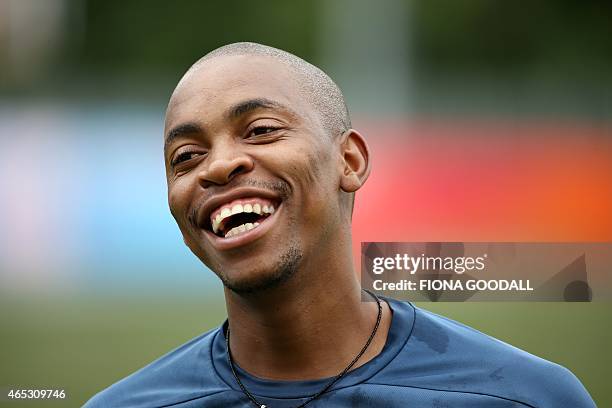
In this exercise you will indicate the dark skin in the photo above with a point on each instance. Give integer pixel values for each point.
(238, 126)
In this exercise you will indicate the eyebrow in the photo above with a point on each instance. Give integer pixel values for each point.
(234, 112)
(244, 107)
(181, 130)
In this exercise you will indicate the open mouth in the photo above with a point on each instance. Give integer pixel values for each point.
(240, 216)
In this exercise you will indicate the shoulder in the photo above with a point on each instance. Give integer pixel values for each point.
(175, 377)
(447, 355)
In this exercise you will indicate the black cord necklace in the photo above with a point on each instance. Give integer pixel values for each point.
(329, 385)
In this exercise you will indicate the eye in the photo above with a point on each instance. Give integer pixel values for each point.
(261, 130)
(185, 156)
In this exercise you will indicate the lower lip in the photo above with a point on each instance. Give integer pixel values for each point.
(245, 238)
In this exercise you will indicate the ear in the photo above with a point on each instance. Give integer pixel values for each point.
(356, 161)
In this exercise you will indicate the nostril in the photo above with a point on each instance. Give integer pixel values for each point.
(238, 170)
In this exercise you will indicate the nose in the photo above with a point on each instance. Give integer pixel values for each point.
(224, 162)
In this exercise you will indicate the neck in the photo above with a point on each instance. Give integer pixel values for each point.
(311, 326)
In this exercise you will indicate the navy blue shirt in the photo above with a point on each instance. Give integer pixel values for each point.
(428, 361)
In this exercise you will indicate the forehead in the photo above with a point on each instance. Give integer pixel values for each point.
(209, 89)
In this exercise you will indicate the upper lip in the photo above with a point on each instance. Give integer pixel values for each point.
(217, 200)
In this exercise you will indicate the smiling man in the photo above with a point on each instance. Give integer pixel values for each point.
(262, 166)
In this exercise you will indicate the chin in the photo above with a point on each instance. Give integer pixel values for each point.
(250, 281)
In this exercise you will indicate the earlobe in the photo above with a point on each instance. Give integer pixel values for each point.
(356, 161)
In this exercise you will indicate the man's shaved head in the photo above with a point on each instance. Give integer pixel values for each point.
(317, 87)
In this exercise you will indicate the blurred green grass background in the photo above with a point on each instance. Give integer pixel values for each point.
(83, 344)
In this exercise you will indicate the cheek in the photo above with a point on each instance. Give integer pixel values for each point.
(317, 182)
(315, 173)
(178, 200)
(321, 172)
(313, 169)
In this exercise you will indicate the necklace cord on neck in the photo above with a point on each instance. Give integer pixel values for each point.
(329, 385)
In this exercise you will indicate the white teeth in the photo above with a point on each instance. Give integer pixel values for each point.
(241, 229)
(217, 221)
(268, 209)
(237, 209)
